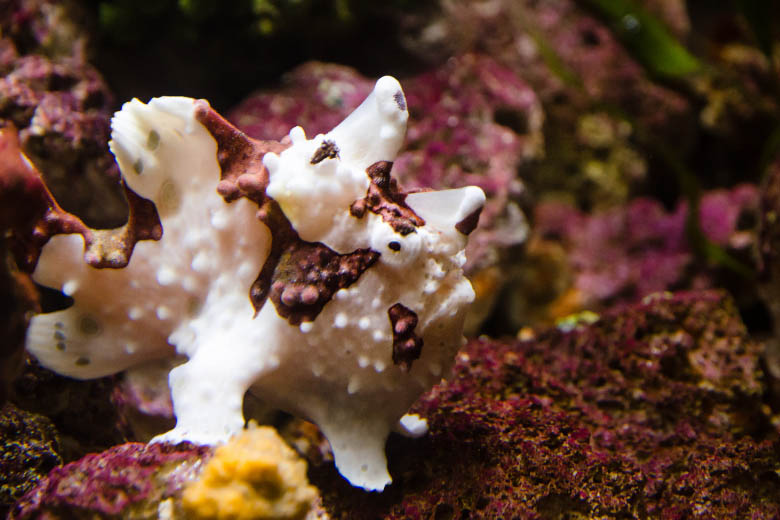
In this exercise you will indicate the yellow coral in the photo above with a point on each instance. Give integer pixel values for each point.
(254, 476)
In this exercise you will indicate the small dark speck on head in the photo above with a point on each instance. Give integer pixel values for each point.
(60, 346)
(400, 100)
(82, 361)
(327, 150)
(395, 246)
(138, 166)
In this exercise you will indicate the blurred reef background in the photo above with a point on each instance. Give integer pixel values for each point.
(624, 353)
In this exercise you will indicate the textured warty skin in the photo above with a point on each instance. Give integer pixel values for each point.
(331, 293)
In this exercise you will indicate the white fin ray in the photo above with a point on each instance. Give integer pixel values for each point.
(74, 344)
(443, 209)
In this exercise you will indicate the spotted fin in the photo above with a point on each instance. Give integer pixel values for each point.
(74, 344)
(160, 147)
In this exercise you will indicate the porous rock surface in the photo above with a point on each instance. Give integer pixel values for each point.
(654, 411)
(28, 451)
(127, 481)
(61, 105)
(577, 260)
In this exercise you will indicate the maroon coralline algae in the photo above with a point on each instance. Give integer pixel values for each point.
(46, 27)
(61, 106)
(330, 93)
(578, 68)
(654, 411)
(715, 119)
(560, 48)
(129, 480)
(626, 252)
(28, 451)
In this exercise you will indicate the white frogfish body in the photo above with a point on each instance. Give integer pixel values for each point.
(342, 303)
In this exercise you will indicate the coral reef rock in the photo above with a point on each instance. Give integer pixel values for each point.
(28, 451)
(127, 481)
(61, 106)
(624, 253)
(653, 411)
(298, 268)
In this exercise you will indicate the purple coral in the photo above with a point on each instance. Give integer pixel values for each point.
(105, 484)
(628, 252)
(562, 50)
(653, 411)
